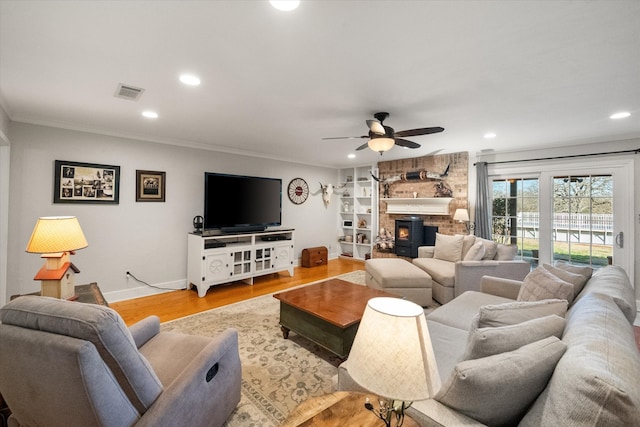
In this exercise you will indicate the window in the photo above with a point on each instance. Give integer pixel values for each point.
(515, 217)
(583, 219)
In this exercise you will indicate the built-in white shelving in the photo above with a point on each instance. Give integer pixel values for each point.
(358, 217)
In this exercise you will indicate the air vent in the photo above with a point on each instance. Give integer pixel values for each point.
(128, 92)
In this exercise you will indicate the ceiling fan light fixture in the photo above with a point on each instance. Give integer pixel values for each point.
(381, 144)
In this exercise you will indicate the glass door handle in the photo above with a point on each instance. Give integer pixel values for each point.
(620, 240)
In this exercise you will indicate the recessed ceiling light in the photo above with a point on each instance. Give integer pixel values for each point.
(150, 114)
(489, 135)
(190, 79)
(351, 156)
(620, 115)
(286, 5)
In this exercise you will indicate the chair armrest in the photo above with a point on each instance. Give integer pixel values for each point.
(499, 286)
(430, 412)
(144, 330)
(202, 399)
(426, 251)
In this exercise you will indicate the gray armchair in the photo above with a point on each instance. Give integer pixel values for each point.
(72, 364)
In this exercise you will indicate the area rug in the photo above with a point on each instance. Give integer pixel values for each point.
(277, 374)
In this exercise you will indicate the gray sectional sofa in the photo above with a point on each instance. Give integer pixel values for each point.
(587, 374)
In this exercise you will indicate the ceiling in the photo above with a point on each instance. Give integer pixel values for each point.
(537, 73)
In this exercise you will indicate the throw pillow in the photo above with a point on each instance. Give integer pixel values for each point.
(448, 248)
(475, 253)
(577, 280)
(541, 284)
(468, 241)
(497, 390)
(485, 342)
(490, 248)
(506, 252)
(510, 313)
(585, 270)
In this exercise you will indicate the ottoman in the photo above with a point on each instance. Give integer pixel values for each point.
(400, 277)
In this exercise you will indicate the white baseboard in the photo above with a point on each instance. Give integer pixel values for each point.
(143, 290)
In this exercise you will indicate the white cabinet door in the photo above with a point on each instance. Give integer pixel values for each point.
(283, 256)
(216, 267)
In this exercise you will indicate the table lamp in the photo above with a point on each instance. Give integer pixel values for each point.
(392, 356)
(56, 238)
(462, 215)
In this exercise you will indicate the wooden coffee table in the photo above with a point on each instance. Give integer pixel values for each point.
(327, 313)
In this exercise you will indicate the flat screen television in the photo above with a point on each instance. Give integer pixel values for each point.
(241, 203)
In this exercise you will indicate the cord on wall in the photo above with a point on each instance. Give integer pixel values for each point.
(147, 284)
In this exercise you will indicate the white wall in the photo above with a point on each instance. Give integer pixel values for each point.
(148, 239)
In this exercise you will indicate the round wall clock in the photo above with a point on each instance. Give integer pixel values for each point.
(298, 191)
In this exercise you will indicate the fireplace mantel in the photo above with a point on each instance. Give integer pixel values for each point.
(418, 206)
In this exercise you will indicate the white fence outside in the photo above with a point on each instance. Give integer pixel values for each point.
(581, 228)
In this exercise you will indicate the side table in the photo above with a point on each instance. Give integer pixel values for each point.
(339, 409)
(83, 293)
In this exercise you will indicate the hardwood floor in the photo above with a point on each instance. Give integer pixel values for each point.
(176, 304)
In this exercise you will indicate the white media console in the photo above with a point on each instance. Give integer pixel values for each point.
(228, 257)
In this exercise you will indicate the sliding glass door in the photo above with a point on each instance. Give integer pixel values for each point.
(515, 214)
(578, 212)
(583, 218)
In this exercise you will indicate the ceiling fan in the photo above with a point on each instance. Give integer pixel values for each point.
(383, 138)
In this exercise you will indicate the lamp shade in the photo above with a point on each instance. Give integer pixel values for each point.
(381, 144)
(392, 355)
(461, 215)
(55, 234)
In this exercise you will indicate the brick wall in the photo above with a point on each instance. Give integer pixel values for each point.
(457, 180)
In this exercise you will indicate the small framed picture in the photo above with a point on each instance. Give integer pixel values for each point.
(150, 186)
(76, 182)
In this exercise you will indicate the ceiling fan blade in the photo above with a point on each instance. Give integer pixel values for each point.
(421, 131)
(347, 137)
(363, 146)
(376, 127)
(406, 143)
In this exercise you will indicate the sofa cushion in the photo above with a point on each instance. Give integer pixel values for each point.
(613, 281)
(443, 272)
(541, 284)
(577, 280)
(448, 345)
(585, 270)
(100, 325)
(483, 342)
(506, 252)
(490, 248)
(475, 253)
(596, 381)
(468, 240)
(461, 311)
(448, 248)
(510, 313)
(497, 390)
